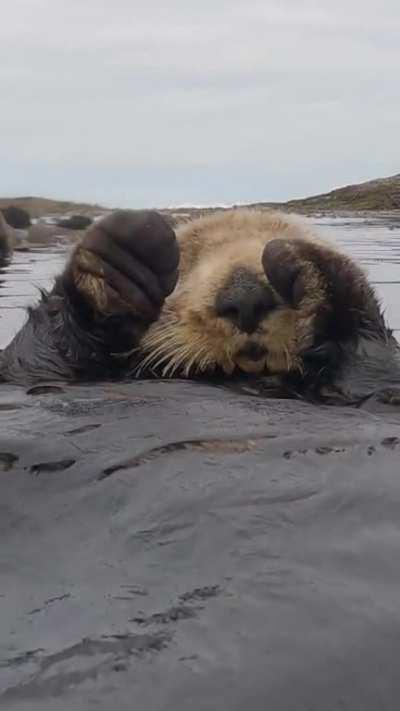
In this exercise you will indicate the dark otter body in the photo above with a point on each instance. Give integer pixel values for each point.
(170, 545)
(95, 323)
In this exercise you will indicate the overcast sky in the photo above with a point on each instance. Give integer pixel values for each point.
(166, 102)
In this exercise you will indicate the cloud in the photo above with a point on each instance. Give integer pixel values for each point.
(174, 102)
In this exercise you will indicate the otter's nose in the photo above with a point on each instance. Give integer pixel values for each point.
(245, 301)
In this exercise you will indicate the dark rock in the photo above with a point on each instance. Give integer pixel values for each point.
(6, 238)
(75, 222)
(17, 217)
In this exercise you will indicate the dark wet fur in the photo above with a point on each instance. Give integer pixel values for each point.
(60, 341)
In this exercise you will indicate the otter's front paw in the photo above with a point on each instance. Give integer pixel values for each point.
(324, 286)
(126, 263)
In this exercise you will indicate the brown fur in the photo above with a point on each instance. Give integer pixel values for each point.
(189, 337)
(88, 275)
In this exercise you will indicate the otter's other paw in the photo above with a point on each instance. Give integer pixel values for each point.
(323, 285)
(127, 263)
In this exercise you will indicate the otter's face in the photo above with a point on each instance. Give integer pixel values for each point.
(226, 314)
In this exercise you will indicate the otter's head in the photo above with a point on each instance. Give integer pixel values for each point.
(225, 312)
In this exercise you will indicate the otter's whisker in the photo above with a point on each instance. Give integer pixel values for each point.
(167, 345)
(205, 363)
(189, 365)
(176, 356)
(148, 360)
(157, 338)
(179, 359)
(172, 366)
(287, 357)
(161, 360)
(125, 354)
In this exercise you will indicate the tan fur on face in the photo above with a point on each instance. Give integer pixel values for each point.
(190, 338)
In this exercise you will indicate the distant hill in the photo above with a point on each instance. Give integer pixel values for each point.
(381, 195)
(376, 195)
(372, 196)
(40, 207)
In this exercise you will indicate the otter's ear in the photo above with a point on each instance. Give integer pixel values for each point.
(285, 269)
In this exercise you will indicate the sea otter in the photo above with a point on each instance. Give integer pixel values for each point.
(240, 292)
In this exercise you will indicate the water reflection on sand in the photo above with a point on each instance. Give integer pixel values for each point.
(374, 243)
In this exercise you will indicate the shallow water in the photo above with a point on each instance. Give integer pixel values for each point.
(374, 243)
(20, 282)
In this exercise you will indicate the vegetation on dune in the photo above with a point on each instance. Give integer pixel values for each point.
(383, 194)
